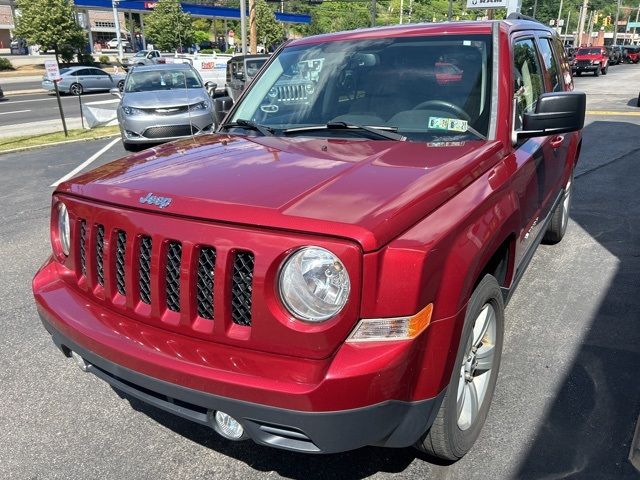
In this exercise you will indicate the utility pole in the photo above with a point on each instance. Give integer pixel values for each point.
(583, 14)
(116, 21)
(374, 9)
(634, 28)
(535, 8)
(450, 11)
(243, 25)
(559, 15)
(401, 8)
(566, 28)
(590, 27)
(253, 30)
(615, 24)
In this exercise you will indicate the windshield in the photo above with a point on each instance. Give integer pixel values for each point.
(155, 80)
(141, 53)
(253, 66)
(589, 51)
(424, 87)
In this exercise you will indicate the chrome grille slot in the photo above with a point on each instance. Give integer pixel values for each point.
(121, 245)
(204, 289)
(172, 280)
(100, 254)
(144, 270)
(241, 289)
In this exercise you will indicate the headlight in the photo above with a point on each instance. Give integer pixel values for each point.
(595, 62)
(132, 111)
(314, 284)
(198, 106)
(64, 232)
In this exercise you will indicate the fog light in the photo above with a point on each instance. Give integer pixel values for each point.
(84, 366)
(228, 427)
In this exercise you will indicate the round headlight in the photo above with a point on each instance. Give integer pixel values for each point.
(64, 232)
(314, 284)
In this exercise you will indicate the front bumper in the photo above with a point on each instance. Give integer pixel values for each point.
(138, 128)
(586, 68)
(360, 396)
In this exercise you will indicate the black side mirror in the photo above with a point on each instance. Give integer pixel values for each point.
(558, 112)
(211, 88)
(221, 107)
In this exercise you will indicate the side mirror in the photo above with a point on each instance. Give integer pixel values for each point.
(221, 107)
(559, 112)
(211, 88)
(116, 92)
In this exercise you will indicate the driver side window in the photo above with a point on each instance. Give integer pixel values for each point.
(527, 79)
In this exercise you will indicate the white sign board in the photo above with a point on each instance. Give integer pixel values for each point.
(53, 72)
(487, 4)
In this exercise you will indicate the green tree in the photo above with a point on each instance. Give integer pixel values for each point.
(50, 24)
(270, 31)
(168, 27)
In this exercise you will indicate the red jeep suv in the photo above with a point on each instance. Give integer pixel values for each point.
(330, 269)
(591, 59)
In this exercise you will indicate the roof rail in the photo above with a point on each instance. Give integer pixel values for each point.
(520, 16)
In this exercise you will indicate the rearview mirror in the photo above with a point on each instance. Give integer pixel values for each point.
(558, 112)
(116, 92)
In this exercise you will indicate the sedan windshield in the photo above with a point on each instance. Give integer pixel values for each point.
(589, 51)
(141, 53)
(420, 87)
(155, 80)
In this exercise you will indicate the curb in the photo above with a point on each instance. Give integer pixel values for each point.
(52, 144)
(24, 92)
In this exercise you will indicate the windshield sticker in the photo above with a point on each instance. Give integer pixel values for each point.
(445, 144)
(451, 124)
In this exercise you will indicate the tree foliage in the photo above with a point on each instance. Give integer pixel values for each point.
(168, 27)
(50, 24)
(270, 31)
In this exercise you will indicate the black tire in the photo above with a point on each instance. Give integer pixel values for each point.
(638, 102)
(76, 89)
(578, 74)
(560, 216)
(597, 72)
(121, 85)
(605, 70)
(445, 439)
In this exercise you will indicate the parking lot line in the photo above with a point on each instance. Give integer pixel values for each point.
(84, 164)
(15, 111)
(609, 112)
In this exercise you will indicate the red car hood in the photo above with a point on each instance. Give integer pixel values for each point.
(367, 191)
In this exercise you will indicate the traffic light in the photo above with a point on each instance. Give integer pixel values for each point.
(595, 18)
(606, 21)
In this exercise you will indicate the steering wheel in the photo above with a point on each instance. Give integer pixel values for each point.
(443, 104)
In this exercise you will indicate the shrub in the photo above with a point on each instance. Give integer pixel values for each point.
(230, 51)
(104, 59)
(85, 58)
(5, 64)
(206, 51)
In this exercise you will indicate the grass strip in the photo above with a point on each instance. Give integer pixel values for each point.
(11, 143)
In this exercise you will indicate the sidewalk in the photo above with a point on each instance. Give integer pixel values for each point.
(36, 128)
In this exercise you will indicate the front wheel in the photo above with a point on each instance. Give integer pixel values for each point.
(76, 89)
(121, 85)
(466, 403)
(578, 74)
(560, 216)
(597, 72)
(605, 70)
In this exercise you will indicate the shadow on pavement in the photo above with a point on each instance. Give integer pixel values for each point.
(588, 429)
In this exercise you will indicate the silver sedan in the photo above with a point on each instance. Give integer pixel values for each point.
(77, 80)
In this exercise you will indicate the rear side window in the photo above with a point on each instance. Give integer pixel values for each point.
(527, 79)
(550, 64)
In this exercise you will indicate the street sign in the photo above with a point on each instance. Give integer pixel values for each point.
(633, 25)
(471, 4)
(53, 72)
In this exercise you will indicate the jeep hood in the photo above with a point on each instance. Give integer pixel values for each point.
(367, 191)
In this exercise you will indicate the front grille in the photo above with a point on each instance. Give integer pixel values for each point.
(83, 247)
(242, 283)
(206, 266)
(121, 246)
(291, 93)
(100, 254)
(144, 270)
(584, 63)
(141, 273)
(170, 131)
(174, 257)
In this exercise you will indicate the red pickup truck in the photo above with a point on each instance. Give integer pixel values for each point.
(330, 269)
(591, 59)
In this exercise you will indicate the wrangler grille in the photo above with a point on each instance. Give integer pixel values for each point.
(152, 274)
(241, 288)
(100, 254)
(144, 270)
(206, 266)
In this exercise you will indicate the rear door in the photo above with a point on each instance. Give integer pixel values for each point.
(101, 79)
(83, 77)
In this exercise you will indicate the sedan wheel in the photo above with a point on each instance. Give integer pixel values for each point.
(76, 89)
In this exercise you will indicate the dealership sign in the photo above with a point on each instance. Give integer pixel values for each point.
(487, 4)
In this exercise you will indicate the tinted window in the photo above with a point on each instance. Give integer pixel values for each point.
(97, 71)
(81, 73)
(156, 80)
(528, 83)
(550, 64)
(425, 87)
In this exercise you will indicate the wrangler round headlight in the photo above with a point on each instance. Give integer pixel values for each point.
(64, 231)
(314, 284)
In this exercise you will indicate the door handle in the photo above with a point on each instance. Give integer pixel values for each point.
(556, 142)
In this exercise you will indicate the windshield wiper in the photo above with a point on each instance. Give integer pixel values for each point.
(249, 125)
(388, 133)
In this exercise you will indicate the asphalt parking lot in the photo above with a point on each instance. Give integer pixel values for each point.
(567, 398)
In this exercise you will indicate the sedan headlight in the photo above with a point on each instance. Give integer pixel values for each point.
(198, 106)
(132, 111)
(64, 231)
(314, 284)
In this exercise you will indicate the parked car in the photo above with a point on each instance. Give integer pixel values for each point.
(161, 103)
(631, 54)
(615, 54)
(591, 59)
(113, 43)
(81, 79)
(330, 270)
(146, 57)
(241, 70)
(19, 47)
